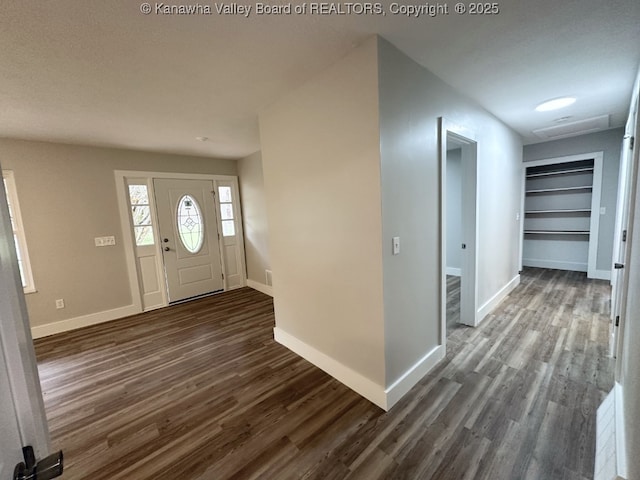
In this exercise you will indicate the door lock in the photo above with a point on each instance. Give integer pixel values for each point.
(166, 249)
(464, 246)
(45, 469)
(165, 240)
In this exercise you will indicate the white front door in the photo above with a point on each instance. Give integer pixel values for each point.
(189, 237)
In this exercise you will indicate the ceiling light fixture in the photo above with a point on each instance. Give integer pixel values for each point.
(202, 139)
(555, 104)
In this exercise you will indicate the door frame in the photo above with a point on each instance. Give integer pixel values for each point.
(121, 177)
(469, 263)
(634, 168)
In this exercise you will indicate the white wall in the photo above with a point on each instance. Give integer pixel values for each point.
(609, 142)
(454, 208)
(254, 217)
(321, 162)
(411, 100)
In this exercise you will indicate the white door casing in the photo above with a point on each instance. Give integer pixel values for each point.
(191, 269)
(469, 261)
(627, 191)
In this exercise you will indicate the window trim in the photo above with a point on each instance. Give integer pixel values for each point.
(12, 196)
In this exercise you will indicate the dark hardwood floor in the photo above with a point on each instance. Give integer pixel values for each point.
(453, 304)
(202, 391)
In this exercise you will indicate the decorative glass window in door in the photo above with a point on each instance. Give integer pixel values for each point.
(226, 212)
(190, 227)
(141, 215)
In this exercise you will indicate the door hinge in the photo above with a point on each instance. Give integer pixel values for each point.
(624, 235)
(617, 320)
(223, 276)
(632, 142)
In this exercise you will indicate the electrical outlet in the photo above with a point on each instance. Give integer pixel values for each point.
(60, 303)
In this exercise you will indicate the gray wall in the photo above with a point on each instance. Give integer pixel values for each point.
(67, 195)
(454, 208)
(411, 100)
(609, 142)
(254, 217)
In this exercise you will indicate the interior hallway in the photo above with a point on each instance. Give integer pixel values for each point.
(201, 391)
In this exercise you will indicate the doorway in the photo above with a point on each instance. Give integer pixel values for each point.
(458, 163)
(182, 235)
(189, 237)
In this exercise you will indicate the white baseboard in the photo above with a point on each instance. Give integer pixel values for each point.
(47, 329)
(412, 376)
(384, 398)
(600, 274)
(456, 272)
(611, 462)
(362, 385)
(558, 265)
(494, 301)
(261, 287)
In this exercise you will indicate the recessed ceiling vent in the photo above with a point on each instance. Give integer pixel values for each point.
(572, 129)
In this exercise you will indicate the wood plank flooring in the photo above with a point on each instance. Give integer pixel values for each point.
(201, 391)
(453, 303)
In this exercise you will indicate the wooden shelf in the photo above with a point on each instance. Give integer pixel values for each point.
(542, 212)
(557, 232)
(560, 172)
(563, 189)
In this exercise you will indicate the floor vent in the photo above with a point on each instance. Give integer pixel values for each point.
(610, 452)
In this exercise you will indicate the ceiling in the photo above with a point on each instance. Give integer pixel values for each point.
(102, 73)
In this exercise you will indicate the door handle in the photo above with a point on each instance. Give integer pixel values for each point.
(165, 240)
(166, 249)
(464, 246)
(618, 266)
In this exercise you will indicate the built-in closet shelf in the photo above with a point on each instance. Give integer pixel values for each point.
(560, 172)
(559, 190)
(544, 212)
(556, 232)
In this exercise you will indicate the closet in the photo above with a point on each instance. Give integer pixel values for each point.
(561, 213)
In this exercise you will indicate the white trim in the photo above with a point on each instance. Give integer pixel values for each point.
(601, 275)
(52, 328)
(555, 264)
(362, 385)
(494, 301)
(412, 376)
(261, 287)
(611, 453)
(383, 398)
(456, 272)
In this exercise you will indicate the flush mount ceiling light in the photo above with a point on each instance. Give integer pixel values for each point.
(202, 139)
(555, 104)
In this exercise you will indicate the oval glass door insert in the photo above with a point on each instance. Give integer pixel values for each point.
(190, 224)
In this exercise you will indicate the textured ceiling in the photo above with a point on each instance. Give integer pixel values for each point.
(101, 73)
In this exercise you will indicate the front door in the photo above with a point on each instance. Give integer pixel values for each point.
(189, 237)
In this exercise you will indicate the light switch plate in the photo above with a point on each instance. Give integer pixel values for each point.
(396, 245)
